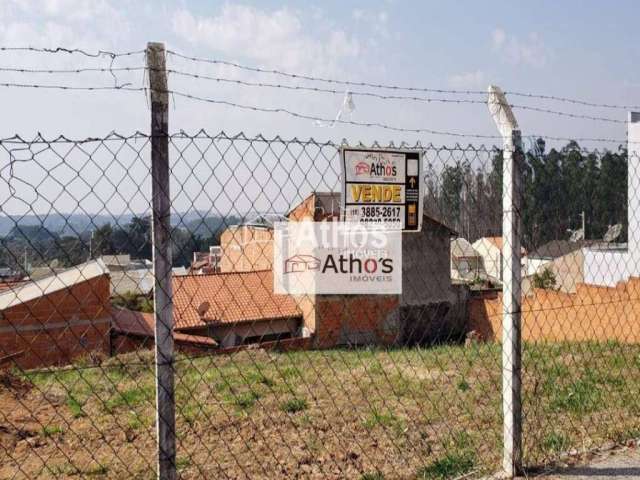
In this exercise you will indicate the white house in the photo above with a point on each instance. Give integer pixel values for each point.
(466, 263)
(609, 265)
(490, 249)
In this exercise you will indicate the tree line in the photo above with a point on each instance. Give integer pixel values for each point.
(28, 246)
(558, 186)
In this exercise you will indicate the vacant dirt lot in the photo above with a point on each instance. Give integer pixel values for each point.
(365, 413)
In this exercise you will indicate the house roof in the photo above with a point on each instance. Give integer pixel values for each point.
(11, 284)
(232, 298)
(558, 248)
(52, 283)
(326, 205)
(143, 325)
(135, 281)
(460, 247)
(117, 260)
(497, 242)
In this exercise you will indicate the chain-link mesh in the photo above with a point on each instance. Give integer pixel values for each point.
(318, 386)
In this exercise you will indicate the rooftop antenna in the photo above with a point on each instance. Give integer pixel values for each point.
(613, 232)
(576, 235)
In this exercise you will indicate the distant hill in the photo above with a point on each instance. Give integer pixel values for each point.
(60, 225)
(210, 225)
(31, 233)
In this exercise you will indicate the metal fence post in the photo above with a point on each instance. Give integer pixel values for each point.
(163, 306)
(511, 281)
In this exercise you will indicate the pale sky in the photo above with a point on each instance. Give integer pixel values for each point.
(578, 49)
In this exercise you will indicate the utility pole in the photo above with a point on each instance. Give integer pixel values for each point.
(162, 292)
(512, 281)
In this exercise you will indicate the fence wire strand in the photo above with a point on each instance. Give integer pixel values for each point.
(310, 385)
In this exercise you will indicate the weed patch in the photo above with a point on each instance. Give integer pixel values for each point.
(294, 405)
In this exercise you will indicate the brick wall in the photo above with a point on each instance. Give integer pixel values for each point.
(55, 328)
(591, 314)
(356, 319)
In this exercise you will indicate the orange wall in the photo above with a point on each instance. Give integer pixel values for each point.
(591, 314)
(246, 249)
(341, 319)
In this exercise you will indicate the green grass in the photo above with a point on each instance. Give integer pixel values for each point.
(76, 407)
(372, 476)
(130, 398)
(246, 400)
(580, 396)
(463, 385)
(555, 442)
(449, 466)
(405, 401)
(294, 405)
(183, 462)
(97, 470)
(384, 419)
(51, 430)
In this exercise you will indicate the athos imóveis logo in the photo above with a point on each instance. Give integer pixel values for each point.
(375, 166)
(340, 264)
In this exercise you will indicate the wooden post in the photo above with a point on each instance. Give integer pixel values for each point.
(511, 282)
(162, 291)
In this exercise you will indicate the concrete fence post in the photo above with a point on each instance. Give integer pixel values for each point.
(162, 291)
(511, 281)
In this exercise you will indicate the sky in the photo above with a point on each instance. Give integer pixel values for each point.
(577, 49)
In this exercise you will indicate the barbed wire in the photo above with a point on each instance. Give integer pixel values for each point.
(79, 51)
(397, 87)
(322, 79)
(354, 93)
(214, 61)
(315, 118)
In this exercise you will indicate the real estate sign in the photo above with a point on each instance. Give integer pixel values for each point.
(382, 186)
(336, 258)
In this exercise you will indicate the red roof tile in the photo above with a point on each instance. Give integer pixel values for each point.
(142, 324)
(232, 298)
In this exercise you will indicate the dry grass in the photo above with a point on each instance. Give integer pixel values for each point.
(406, 413)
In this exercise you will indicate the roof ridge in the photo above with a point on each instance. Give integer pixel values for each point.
(219, 274)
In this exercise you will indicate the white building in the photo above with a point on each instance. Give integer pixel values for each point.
(490, 249)
(608, 266)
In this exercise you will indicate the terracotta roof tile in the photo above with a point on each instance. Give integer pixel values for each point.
(142, 324)
(497, 241)
(232, 298)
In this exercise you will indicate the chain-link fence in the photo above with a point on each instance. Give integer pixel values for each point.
(271, 385)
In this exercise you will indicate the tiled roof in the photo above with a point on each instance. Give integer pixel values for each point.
(558, 248)
(497, 241)
(142, 324)
(232, 298)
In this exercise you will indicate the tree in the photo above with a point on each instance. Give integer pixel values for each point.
(546, 279)
(102, 243)
(139, 230)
